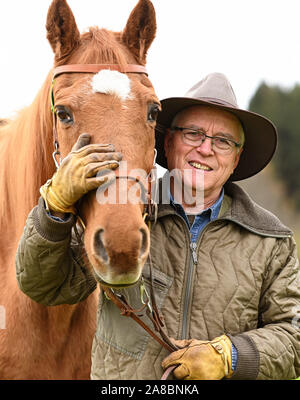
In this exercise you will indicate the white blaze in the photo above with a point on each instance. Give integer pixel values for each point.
(111, 82)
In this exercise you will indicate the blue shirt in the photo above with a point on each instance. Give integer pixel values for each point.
(202, 219)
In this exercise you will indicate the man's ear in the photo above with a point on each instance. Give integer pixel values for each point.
(237, 159)
(167, 142)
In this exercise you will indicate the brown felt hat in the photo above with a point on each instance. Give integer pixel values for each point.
(215, 90)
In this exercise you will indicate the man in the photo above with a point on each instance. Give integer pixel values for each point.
(226, 278)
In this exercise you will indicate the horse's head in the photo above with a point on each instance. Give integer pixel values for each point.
(113, 107)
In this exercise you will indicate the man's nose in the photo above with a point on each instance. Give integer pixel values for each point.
(205, 147)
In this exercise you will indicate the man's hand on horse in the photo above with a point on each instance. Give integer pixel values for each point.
(201, 360)
(79, 173)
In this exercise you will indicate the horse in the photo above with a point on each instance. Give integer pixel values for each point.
(41, 342)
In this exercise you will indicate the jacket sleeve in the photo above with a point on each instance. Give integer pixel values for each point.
(49, 266)
(273, 350)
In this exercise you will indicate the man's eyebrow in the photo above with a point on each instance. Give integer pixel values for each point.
(226, 135)
(192, 126)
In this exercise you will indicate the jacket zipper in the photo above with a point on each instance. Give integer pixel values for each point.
(193, 263)
(193, 260)
(187, 293)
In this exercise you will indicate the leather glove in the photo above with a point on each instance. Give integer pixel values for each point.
(201, 360)
(77, 174)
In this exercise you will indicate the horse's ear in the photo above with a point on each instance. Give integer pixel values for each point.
(62, 31)
(140, 30)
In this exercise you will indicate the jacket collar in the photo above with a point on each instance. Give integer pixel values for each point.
(238, 207)
(246, 212)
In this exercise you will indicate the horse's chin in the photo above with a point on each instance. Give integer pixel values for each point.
(118, 282)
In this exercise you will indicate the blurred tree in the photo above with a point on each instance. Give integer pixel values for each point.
(283, 108)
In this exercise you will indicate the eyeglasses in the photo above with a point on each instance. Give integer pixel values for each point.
(195, 137)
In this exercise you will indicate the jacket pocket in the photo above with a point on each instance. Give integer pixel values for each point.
(161, 283)
(123, 333)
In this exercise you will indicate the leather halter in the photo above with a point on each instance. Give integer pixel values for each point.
(149, 212)
(95, 68)
(84, 68)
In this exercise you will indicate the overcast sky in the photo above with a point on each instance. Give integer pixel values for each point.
(249, 40)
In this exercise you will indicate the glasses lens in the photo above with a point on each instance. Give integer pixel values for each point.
(193, 137)
(223, 144)
(197, 137)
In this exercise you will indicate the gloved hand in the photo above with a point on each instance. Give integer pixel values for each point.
(201, 360)
(77, 174)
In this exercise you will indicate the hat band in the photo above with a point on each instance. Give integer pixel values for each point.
(218, 101)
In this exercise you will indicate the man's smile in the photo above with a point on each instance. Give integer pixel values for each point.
(201, 166)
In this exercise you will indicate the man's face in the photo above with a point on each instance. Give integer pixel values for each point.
(202, 160)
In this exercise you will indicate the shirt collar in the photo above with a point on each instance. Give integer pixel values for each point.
(214, 209)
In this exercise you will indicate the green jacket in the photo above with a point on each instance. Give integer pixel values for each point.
(242, 279)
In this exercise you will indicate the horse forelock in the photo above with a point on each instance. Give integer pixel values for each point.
(100, 46)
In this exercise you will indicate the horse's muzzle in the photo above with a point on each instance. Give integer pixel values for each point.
(120, 265)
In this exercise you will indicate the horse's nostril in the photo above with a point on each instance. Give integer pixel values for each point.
(99, 246)
(144, 245)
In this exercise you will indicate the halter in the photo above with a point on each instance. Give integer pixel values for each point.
(150, 208)
(149, 212)
(83, 68)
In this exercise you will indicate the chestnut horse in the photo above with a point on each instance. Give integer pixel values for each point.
(39, 342)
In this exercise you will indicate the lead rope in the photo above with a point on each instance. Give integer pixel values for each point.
(152, 312)
(150, 304)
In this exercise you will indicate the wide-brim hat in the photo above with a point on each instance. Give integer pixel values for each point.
(215, 90)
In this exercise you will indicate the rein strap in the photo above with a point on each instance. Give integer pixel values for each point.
(155, 316)
(127, 311)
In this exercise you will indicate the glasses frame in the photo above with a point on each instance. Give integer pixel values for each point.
(180, 128)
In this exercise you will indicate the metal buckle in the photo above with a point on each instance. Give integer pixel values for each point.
(55, 154)
(143, 291)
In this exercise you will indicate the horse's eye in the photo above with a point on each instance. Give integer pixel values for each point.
(153, 110)
(65, 116)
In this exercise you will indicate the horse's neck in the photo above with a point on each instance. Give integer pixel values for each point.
(24, 164)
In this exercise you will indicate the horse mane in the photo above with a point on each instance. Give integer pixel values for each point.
(25, 154)
(26, 142)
